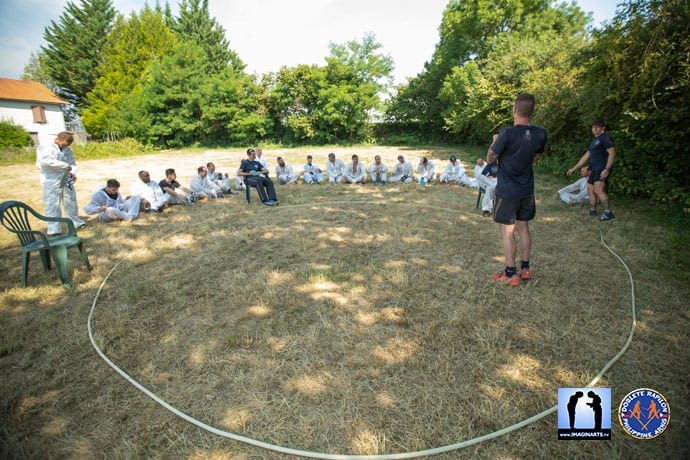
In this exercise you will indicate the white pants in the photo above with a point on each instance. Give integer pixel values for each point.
(129, 211)
(287, 178)
(489, 186)
(378, 177)
(57, 195)
(312, 177)
(408, 180)
(336, 180)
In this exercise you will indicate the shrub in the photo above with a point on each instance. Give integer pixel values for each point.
(12, 135)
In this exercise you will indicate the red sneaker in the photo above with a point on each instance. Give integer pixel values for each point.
(525, 274)
(510, 281)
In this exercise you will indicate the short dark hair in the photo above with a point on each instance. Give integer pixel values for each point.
(112, 183)
(355, 156)
(200, 168)
(169, 171)
(598, 122)
(524, 104)
(309, 156)
(209, 164)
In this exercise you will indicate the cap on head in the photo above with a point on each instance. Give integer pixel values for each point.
(250, 151)
(452, 158)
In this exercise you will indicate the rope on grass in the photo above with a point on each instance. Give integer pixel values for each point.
(327, 456)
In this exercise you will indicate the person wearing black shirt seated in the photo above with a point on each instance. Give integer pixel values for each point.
(256, 175)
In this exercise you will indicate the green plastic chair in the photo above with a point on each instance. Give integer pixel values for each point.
(14, 216)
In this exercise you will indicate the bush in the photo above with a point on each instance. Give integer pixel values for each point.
(12, 135)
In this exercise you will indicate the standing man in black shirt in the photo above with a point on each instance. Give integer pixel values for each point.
(516, 148)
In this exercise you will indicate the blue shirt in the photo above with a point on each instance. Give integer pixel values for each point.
(598, 151)
(249, 166)
(516, 148)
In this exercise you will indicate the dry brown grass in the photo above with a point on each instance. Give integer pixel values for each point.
(351, 319)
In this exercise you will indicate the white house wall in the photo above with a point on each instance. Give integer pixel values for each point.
(19, 112)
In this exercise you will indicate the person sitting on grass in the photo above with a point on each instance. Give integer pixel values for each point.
(454, 173)
(427, 169)
(256, 175)
(336, 169)
(402, 171)
(220, 179)
(312, 173)
(176, 193)
(108, 203)
(378, 170)
(151, 195)
(575, 193)
(355, 173)
(284, 173)
(203, 186)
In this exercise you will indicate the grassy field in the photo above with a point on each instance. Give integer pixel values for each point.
(348, 320)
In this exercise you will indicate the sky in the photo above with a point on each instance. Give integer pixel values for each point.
(269, 34)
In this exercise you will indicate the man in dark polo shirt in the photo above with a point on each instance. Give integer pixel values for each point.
(601, 154)
(256, 175)
(516, 148)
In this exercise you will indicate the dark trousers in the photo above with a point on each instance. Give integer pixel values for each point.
(263, 185)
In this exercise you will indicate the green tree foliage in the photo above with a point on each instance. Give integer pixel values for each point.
(132, 46)
(536, 57)
(37, 70)
(74, 48)
(13, 135)
(638, 80)
(467, 32)
(195, 25)
(231, 110)
(332, 103)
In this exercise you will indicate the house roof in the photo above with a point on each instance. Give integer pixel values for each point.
(23, 90)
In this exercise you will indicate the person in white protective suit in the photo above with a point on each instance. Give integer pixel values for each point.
(336, 169)
(58, 172)
(108, 203)
(427, 169)
(355, 172)
(284, 172)
(402, 171)
(378, 171)
(454, 173)
(152, 198)
(312, 173)
(485, 175)
(203, 186)
(575, 193)
(221, 180)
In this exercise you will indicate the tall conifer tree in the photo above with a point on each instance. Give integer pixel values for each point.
(196, 25)
(74, 48)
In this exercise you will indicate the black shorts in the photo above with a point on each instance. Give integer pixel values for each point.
(595, 176)
(508, 210)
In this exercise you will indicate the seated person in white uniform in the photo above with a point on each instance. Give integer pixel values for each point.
(152, 198)
(378, 171)
(312, 174)
(355, 172)
(221, 180)
(285, 173)
(427, 169)
(336, 169)
(203, 186)
(108, 203)
(485, 174)
(576, 193)
(454, 173)
(402, 171)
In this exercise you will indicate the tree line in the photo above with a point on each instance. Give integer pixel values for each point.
(174, 81)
